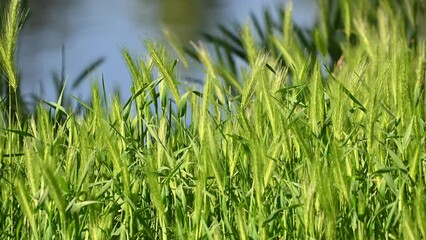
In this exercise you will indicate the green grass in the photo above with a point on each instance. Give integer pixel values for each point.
(334, 155)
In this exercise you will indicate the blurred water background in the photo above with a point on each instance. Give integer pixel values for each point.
(82, 31)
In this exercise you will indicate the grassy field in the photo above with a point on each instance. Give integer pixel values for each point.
(336, 154)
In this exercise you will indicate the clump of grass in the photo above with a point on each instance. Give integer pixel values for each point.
(334, 155)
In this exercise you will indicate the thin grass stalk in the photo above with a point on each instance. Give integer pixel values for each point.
(317, 105)
(325, 10)
(11, 18)
(270, 104)
(26, 206)
(288, 23)
(205, 122)
(346, 16)
(249, 45)
(164, 70)
(253, 81)
(420, 209)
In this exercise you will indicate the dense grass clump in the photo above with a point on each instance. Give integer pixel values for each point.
(291, 152)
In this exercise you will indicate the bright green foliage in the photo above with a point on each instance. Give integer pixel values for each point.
(9, 30)
(288, 153)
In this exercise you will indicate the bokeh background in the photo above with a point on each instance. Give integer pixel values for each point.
(82, 31)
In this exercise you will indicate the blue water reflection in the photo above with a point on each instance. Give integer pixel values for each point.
(90, 29)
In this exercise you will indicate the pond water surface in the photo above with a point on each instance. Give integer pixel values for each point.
(90, 29)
